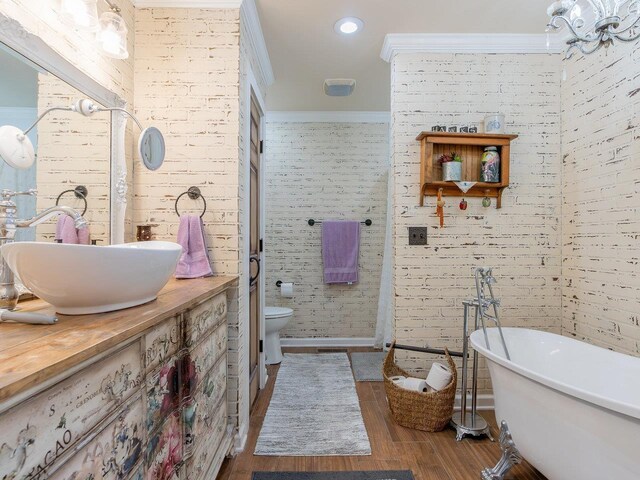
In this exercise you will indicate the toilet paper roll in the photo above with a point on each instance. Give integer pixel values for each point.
(399, 380)
(286, 290)
(415, 384)
(439, 376)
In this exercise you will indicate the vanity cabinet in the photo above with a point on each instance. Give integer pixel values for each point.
(152, 407)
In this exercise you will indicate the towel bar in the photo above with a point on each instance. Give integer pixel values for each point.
(313, 222)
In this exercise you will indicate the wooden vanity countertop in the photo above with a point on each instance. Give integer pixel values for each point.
(33, 354)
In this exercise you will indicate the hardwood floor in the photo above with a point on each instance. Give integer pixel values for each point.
(431, 456)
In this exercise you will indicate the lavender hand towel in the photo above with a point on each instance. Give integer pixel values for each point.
(340, 251)
(66, 230)
(194, 261)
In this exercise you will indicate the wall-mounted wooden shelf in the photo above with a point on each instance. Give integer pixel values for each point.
(471, 147)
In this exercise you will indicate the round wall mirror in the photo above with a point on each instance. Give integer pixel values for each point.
(151, 148)
(15, 148)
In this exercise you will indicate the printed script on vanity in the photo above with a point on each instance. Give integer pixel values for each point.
(28, 447)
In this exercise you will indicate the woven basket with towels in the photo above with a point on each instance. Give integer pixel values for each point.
(428, 411)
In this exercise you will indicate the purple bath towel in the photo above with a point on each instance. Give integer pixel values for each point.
(340, 251)
(194, 261)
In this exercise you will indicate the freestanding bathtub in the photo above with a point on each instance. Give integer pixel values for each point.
(573, 409)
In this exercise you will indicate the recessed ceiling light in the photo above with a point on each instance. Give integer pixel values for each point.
(348, 25)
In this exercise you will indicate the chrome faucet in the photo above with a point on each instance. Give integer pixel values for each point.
(8, 226)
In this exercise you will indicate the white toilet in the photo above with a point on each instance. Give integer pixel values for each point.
(276, 318)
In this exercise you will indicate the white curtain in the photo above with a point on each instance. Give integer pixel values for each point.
(385, 324)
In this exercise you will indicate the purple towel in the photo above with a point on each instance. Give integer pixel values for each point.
(194, 261)
(340, 251)
(66, 230)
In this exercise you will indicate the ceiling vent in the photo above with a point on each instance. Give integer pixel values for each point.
(339, 87)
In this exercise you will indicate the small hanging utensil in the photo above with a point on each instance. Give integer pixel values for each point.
(440, 207)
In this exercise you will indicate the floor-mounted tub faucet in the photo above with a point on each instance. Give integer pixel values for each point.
(9, 223)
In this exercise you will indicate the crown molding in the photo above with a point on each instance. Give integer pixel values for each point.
(468, 43)
(327, 117)
(249, 15)
(187, 3)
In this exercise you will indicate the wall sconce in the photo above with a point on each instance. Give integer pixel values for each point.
(111, 36)
(17, 150)
(80, 14)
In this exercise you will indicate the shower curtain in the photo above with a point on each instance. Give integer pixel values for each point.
(385, 324)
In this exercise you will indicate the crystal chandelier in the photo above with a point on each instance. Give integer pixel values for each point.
(593, 24)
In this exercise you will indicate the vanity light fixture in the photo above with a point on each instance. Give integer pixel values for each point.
(593, 24)
(18, 152)
(348, 25)
(112, 35)
(79, 14)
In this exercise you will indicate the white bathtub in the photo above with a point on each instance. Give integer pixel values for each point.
(573, 409)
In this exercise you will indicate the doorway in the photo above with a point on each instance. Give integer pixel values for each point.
(255, 250)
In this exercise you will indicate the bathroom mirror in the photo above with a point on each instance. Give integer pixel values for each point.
(72, 153)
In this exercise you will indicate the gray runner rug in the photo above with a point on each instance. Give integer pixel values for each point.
(367, 366)
(374, 475)
(314, 410)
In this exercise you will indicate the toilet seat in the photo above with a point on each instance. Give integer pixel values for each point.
(277, 312)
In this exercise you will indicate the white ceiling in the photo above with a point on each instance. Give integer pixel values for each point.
(304, 48)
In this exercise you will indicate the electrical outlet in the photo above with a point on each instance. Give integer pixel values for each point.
(417, 235)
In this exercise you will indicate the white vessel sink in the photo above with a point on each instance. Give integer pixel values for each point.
(83, 279)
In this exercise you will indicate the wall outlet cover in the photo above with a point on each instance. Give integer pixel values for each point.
(417, 235)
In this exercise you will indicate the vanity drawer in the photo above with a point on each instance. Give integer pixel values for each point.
(200, 360)
(214, 428)
(162, 393)
(200, 411)
(202, 318)
(161, 342)
(45, 427)
(164, 451)
(114, 453)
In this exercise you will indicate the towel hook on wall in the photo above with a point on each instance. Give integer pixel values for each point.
(193, 193)
(80, 192)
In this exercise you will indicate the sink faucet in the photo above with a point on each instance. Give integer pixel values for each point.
(8, 226)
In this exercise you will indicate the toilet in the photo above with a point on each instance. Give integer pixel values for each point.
(276, 318)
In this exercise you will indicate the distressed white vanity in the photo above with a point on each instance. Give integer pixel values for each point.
(132, 394)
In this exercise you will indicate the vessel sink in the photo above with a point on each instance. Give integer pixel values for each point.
(84, 279)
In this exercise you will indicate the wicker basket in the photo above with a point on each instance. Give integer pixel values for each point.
(429, 411)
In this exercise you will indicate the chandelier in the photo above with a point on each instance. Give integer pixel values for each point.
(593, 24)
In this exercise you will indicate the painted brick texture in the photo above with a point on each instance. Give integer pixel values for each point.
(600, 194)
(521, 241)
(324, 171)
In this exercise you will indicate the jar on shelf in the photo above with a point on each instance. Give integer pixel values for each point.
(490, 165)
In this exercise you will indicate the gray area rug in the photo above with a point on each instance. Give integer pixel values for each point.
(374, 475)
(367, 366)
(314, 410)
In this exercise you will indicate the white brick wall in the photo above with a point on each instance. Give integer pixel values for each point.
(324, 171)
(601, 192)
(522, 240)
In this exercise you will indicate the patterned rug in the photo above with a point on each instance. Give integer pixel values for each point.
(314, 410)
(367, 366)
(374, 475)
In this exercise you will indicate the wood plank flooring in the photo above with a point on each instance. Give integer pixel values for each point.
(431, 456)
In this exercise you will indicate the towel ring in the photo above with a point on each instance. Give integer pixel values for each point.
(193, 193)
(80, 192)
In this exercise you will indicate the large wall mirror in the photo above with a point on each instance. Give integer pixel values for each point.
(80, 161)
(73, 154)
